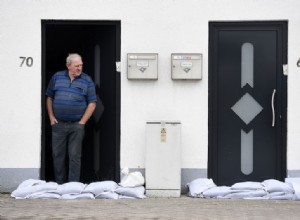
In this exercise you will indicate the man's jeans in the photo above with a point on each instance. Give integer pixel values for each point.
(67, 137)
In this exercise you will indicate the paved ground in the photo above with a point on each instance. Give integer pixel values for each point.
(150, 208)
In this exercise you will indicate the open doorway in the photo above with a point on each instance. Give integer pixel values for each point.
(98, 42)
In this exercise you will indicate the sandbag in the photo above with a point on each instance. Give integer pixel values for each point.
(132, 179)
(29, 187)
(78, 196)
(272, 185)
(246, 194)
(295, 183)
(198, 186)
(45, 195)
(215, 192)
(70, 188)
(107, 195)
(135, 192)
(281, 196)
(98, 188)
(247, 186)
(30, 182)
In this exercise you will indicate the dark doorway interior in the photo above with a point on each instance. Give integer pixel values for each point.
(99, 44)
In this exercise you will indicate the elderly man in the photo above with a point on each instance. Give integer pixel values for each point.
(71, 100)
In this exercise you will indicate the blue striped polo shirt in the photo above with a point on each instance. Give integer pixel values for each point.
(70, 98)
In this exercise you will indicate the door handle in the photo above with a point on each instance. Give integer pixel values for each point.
(273, 109)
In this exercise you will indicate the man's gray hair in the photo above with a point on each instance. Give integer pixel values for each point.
(71, 57)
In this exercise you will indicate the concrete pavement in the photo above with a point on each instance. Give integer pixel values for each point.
(149, 208)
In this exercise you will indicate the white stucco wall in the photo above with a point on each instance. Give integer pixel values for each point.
(158, 26)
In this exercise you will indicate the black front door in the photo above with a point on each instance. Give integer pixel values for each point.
(99, 44)
(247, 95)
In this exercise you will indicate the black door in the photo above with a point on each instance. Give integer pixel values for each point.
(247, 95)
(99, 44)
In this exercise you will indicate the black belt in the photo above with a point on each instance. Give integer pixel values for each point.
(67, 121)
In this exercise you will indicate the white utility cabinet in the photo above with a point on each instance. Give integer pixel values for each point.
(163, 159)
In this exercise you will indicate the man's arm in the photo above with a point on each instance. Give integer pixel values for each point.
(50, 111)
(88, 113)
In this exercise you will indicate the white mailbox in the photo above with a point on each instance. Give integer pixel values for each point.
(142, 66)
(186, 66)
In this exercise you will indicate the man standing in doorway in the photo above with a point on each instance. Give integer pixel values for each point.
(71, 100)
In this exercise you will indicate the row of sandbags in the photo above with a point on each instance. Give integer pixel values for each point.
(39, 189)
(268, 189)
(130, 187)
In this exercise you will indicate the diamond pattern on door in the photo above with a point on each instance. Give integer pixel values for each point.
(247, 108)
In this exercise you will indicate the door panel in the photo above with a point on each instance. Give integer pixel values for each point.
(245, 69)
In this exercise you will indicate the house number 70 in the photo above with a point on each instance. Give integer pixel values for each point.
(27, 60)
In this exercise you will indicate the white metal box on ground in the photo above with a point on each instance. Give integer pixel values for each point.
(163, 159)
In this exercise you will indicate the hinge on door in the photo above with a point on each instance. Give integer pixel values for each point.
(118, 66)
(285, 69)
